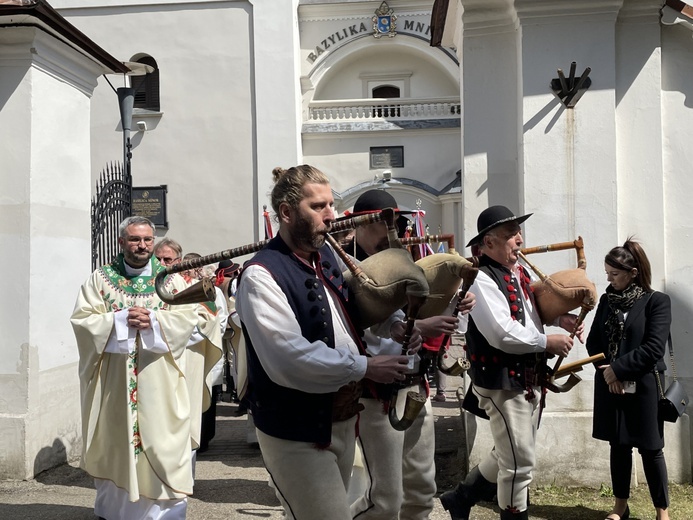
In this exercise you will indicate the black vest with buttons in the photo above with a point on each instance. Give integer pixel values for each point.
(284, 412)
(491, 367)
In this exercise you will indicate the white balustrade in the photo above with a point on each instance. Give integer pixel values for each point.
(384, 109)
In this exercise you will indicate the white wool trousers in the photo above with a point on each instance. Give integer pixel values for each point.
(399, 464)
(311, 482)
(514, 427)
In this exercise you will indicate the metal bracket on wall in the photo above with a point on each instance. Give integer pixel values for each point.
(569, 90)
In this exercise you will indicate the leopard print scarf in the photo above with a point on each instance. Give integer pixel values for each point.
(619, 302)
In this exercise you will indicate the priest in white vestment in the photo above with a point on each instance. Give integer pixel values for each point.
(136, 405)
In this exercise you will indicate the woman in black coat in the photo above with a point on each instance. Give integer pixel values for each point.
(631, 327)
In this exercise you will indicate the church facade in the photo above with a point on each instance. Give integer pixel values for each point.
(483, 117)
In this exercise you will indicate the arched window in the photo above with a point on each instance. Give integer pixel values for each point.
(386, 91)
(147, 86)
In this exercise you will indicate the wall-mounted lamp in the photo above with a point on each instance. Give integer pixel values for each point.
(142, 126)
(387, 175)
(126, 101)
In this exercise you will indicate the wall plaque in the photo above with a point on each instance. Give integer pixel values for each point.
(387, 157)
(150, 202)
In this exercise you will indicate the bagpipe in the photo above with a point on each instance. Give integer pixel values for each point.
(554, 295)
(558, 294)
(391, 280)
(449, 276)
(203, 290)
(380, 285)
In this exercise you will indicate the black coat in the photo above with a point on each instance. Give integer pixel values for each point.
(631, 419)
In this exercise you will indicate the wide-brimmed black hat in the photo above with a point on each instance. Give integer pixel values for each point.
(373, 201)
(493, 217)
(228, 267)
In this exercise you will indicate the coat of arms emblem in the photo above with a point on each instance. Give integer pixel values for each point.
(384, 21)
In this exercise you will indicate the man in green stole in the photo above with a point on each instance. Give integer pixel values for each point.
(135, 401)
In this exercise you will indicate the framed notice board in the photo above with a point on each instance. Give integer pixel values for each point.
(150, 202)
(386, 157)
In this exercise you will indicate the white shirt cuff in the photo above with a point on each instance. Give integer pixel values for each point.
(152, 339)
(118, 341)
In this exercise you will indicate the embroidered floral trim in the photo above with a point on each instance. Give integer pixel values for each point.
(137, 291)
(137, 440)
(132, 401)
(115, 277)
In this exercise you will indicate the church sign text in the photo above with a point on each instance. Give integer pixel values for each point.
(352, 31)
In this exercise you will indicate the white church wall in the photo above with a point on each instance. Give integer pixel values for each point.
(430, 156)
(202, 143)
(14, 225)
(569, 171)
(385, 60)
(639, 111)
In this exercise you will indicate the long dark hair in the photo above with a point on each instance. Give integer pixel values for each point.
(630, 256)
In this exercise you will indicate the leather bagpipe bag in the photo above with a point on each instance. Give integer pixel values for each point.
(563, 292)
(444, 273)
(390, 277)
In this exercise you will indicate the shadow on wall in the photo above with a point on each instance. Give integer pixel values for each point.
(54, 457)
(50, 456)
(681, 310)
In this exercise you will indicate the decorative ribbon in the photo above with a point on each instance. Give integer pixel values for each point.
(268, 224)
(420, 227)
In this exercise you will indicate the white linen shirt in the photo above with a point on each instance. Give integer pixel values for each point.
(289, 359)
(491, 315)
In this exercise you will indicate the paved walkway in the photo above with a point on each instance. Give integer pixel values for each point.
(230, 484)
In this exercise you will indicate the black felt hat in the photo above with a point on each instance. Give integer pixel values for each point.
(228, 267)
(373, 201)
(493, 217)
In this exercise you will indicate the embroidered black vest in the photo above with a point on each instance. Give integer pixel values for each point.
(491, 367)
(284, 412)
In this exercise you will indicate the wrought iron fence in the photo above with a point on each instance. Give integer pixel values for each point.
(111, 204)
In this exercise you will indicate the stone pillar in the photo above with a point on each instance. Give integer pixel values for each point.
(490, 109)
(45, 182)
(677, 135)
(277, 92)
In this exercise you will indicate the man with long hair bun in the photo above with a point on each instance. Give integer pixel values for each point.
(305, 357)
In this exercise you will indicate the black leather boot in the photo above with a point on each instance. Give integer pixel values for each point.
(475, 488)
(511, 515)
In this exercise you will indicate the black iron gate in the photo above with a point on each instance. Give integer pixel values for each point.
(111, 204)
